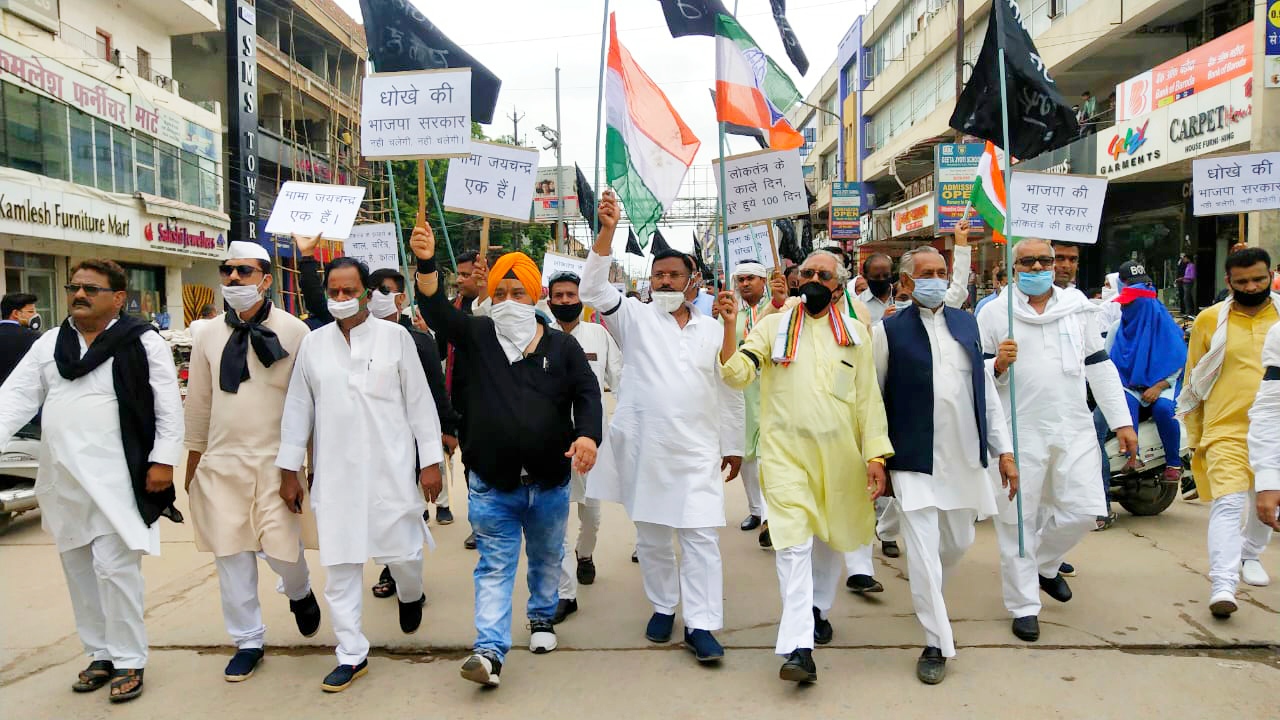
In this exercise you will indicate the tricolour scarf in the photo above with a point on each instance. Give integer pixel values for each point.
(788, 337)
(235, 354)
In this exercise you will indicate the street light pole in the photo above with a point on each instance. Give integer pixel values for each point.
(562, 244)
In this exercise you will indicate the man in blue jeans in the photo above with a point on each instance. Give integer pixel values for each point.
(1147, 348)
(533, 412)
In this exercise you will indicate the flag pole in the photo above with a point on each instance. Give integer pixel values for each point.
(604, 50)
(724, 212)
(1008, 253)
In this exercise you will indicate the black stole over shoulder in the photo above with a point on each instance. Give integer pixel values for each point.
(131, 376)
(235, 354)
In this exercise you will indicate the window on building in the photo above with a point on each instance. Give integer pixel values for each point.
(208, 184)
(190, 178)
(22, 129)
(102, 155)
(81, 148)
(144, 152)
(53, 131)
(168, 169)
(104, 44)
(832, 114)
(122, 159)
(144, 64)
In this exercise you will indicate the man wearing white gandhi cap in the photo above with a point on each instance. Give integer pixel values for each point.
(240, 369)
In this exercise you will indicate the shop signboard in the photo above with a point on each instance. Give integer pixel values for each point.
(1271, 36)
(913, 215)
(1214, 63)
(846, 202)
(955, 167)
(554, 195)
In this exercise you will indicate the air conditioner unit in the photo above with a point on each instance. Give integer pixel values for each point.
(162, 81)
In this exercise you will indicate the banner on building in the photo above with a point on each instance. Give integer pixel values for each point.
(846, 206)
(1214, 63)
(955, 167)
(554, 195)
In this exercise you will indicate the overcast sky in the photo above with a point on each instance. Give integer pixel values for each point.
(522, 40)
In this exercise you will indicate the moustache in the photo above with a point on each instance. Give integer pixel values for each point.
(81, 303)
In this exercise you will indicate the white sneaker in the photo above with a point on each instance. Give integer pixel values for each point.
(1252, 573)
(1222, 604)
(542, 637)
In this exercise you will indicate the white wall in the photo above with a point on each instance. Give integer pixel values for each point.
(130, 28)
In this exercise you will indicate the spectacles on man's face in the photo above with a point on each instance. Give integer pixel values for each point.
(674, 277)
(225, 270)
(389, 290)
(348, 293)
(1029, 263)
(89, 290)
(823, 275)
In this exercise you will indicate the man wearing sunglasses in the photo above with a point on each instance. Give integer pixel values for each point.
(240, 368)
(1059, 351)
(676, 427)
(112, 432)
(359, 398)
(823, 442)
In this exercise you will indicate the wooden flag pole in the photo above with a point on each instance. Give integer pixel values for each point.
(773, 248)
(422, 191)
(484, 240)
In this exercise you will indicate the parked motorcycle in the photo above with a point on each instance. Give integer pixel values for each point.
(1142, 489)
(19, 461)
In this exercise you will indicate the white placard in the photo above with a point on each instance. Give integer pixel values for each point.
(416, 114)
(763, 185)
(1056, 207)
(375, 245)
(554, 263)
(750, 244)
(311, 209)
(493, 181)
(1230, 184)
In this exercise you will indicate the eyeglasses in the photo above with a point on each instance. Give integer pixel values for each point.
(352, 294)
(823, 275)
(672, 276)
(241, 270)
(89, 290)
(389, 290)
(1028, 263)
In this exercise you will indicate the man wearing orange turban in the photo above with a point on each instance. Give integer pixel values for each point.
(517, 266)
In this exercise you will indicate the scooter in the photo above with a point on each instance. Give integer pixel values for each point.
(1141, 488)
(19, 461)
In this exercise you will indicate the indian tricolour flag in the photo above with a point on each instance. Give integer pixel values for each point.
(648, 148)
(988, 194)
(751, 90)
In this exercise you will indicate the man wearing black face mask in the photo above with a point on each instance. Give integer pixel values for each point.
(605, 360)
(877, 270)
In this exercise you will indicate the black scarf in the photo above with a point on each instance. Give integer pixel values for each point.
(235, 354)
(131, 376)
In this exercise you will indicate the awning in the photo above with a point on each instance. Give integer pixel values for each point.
(162, 206)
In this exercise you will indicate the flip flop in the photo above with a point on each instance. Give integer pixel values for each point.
(95, 676)
(121, 679)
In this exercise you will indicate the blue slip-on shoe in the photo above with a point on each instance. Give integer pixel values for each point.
(343, 675)
(660, 627)
(703, 645)
(242, 664)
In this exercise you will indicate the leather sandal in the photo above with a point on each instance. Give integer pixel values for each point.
(95, 676)
(126, 685)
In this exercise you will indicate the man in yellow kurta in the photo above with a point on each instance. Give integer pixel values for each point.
(1224, 371)
(823, 441)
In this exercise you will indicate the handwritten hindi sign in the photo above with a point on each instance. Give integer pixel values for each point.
(493, 181)
(375, 245)
(750, 244)
(1056, 207)
(310, 209)
(1230, 184)
(554, 263)
(417, 114)
(762, 185)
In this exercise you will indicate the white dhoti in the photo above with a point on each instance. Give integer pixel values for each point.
(105, 582)
(1229, 546)
(808, 576)
(936, 540)
(238, 585)
(588, 531)
(698, 581)
(344, 591)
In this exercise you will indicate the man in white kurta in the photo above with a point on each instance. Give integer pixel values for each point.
(359, 397)
(605, 359)
(948, 429)
(1058, 347)
(677, 424)
(1264, 433)
(86, 492)
(239, 373)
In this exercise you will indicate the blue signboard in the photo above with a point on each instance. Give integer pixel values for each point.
(955, 166)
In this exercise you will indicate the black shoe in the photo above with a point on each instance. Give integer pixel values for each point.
(822, 630)
(703, 645)
(931, 668)
(1056, 587)
(751, 523)
(386, 585)
(634, 557)
(863, 584)
(411, 615)
(482, 668)
(1067, 569)
(766, 540)
(1189, 490)
(342, 677)
(242, 664)
(890, 549)
(306, 612)
(1027, 628)
(586, 570)
(444, 516)
(564, 609)
(659, 628)
(799, 667)
(470, 542)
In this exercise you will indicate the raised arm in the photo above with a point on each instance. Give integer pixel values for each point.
(449, 322)
(309, 281)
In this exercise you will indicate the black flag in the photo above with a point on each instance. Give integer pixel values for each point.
(400, 37)
(633, 243)
(789, 39)
(692, 17)
(1039, 118)
(756, 133)
(659, 242)
(586, 196)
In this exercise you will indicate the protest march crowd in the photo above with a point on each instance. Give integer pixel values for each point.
(848, 417)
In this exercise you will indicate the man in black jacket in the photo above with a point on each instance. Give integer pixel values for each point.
(533, 407)
(16, 335)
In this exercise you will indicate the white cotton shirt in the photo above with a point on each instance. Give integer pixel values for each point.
(83, 483)
(1264, 421)
(959, 482)
(957, 291)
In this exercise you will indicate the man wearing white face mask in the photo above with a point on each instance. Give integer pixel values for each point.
(676, 427)
(359, 397)
(240, 367)
(947, 428)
